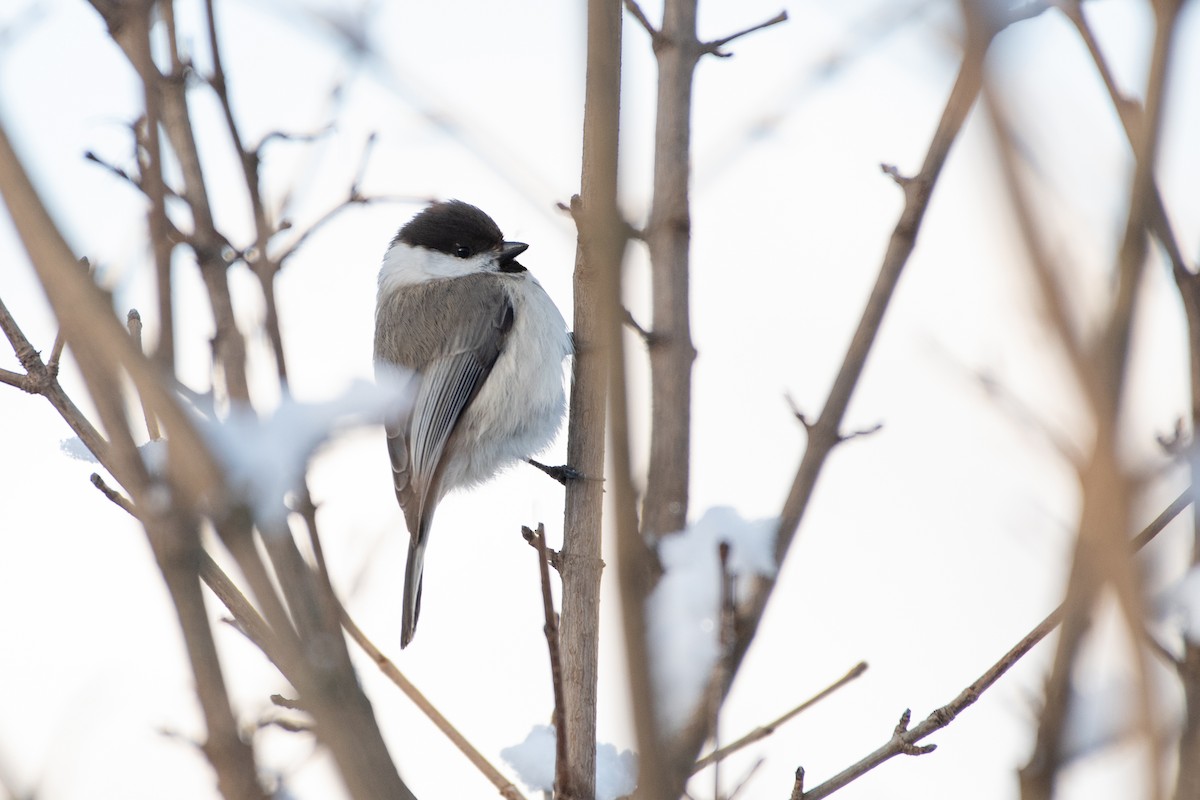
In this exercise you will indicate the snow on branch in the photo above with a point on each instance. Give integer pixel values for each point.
(533, 760)
(683, 612)
(265, 459)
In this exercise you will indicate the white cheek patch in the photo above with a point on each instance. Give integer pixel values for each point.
(405, 265)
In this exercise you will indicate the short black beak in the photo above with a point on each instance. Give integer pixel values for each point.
(510, 250)
(508, 254)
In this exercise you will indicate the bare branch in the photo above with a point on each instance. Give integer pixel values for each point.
(39, 379)
(56, 351)
(714, 47)
(1188, 283)
(1022, 413)
(389, 669)
(798, 785)
(103, 351)
(1054, 295)
(245, 618)
(725, 641)
(350, 201)
(668, 238)
(113, 168)
(635, 9)
(260, 263)
(628, 319)
(893, 172)
(1107, 491)
(855, 434)
(824, 433)
(562, 767)
(287, 136)
(167, 102)
(904, 738)
(599, 253)
(763, 731)
(120, 500)
(16, 379)
(134, 322)
(750, 773)
(363, 159)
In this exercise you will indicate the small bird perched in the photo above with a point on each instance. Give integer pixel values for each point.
(487, 344)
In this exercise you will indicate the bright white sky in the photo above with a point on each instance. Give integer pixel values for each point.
(931, 547)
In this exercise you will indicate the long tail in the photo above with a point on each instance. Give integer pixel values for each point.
(412, 587)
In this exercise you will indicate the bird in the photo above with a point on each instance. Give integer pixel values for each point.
(487, 346)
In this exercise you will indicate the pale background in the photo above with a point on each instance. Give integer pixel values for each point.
(931, 547)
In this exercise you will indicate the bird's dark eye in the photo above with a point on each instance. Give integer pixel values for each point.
(462, 251)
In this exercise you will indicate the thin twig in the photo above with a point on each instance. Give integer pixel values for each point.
(389, 669)
(56, 351)
(628, 319)
(763, 731)
(60, 341)
(726, 637)
(287, 136)
(134, 322)
(746, 779)
(119, 172)
(633, 8)
(798, 785)
(1022, 413)
(38, 379)
(351, 200)
(363, 159)
(249, 622)
(260, 263)
(904, 739)
(245, 617)
(562, 768)
(16, 379)
(229, 345)
(714, 47)
(1129, 112)
(162, 231)
(112, 494)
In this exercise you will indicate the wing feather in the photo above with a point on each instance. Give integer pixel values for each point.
(451, 332)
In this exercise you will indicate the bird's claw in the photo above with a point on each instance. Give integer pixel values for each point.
(562, 473)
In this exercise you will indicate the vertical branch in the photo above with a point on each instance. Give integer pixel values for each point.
(1107, 490)
(562, 770)
(668, 237)
(263, 266)
(655, 780)
(597, 265)
(1187, 782)
(155, 188)
(134, 322)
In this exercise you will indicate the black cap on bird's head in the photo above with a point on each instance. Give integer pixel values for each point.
(461, 230)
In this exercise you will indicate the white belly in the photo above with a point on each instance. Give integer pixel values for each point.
(520, 407)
